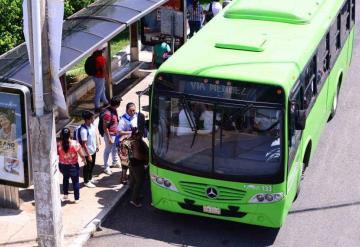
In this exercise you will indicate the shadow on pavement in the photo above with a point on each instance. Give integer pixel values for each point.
(178, 229)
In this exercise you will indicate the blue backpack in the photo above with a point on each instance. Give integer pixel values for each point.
(77, 132)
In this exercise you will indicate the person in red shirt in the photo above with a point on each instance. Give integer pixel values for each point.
(68, 151)
(110, 123)
(99, 78)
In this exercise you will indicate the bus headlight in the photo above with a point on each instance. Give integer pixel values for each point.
(163, 182)
(267, 198)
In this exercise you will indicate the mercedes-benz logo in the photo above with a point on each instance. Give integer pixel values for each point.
(211, 192)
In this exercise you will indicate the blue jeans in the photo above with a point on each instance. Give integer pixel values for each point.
(110, 148)
(100, 91)
(73, 172)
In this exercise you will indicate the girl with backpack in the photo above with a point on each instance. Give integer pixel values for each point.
(68, 151)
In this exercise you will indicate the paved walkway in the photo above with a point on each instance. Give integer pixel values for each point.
(18, 227)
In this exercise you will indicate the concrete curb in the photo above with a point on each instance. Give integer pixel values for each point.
(93, 225)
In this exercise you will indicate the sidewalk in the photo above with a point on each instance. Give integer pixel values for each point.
(18, 227)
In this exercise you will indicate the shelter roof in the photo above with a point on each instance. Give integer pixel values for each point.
(83, 33)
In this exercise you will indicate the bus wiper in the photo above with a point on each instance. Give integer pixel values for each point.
(191, 121)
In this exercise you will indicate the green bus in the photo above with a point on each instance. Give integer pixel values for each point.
(237, 112)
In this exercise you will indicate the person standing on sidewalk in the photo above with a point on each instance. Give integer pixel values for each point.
(196, 17)
(100, 76)
(110, 124)
(68, 151)
(90, 143)
(138, 155)
(128, 121)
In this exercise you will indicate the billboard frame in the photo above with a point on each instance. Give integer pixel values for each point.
(25, 110)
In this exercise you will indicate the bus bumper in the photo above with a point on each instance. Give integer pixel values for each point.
(269, 215)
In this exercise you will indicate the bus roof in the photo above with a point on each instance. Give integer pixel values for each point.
(269, 44)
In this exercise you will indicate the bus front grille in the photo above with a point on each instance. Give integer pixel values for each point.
(202, 191)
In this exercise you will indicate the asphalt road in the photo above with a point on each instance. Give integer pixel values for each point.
(327, 212)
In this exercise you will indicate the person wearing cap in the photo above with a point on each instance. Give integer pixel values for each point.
(90, 144)
(100, 77)
(110, 125)
(68, 151)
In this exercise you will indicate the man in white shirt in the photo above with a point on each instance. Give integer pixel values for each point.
(89, 142)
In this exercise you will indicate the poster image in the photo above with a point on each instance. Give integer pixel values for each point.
(11, 139)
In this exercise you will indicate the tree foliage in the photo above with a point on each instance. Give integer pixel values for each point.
(11, 27)
(11, 24)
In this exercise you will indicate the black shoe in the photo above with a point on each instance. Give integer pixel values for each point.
(97, 110)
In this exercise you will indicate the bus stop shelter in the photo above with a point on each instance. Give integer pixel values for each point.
(83, 33)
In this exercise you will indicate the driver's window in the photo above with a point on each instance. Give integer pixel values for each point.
(294, 135)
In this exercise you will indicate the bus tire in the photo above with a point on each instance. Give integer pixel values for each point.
(334, 104)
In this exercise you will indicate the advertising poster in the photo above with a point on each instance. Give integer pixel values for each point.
(12, 139)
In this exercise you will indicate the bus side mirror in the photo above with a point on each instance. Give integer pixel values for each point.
(298, 115)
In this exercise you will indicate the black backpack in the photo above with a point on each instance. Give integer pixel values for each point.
(101, 121)
(209, 14)
(90, 65)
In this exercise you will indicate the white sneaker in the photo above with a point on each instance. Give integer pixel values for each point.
(108, 171)
(89, 184)
(65, 197)
(93, 181)
(77, 201)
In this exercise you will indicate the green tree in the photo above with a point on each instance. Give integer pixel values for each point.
(11, 28)
(11, 24)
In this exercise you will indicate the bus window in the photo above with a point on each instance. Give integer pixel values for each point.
(309, 82)
(323, 61)
(338, 33)
(335, 42)
(352, 12)
(345, 21)
(294, 135)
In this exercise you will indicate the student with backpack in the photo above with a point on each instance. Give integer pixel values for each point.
(86, 135)
(95, 66)
(108, 124)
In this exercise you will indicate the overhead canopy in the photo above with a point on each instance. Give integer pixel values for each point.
(83, 33)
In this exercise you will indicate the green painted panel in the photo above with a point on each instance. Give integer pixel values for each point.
(294, 12)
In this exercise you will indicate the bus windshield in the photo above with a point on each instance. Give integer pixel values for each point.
(206, 136)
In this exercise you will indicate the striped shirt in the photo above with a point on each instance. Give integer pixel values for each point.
(197, 14)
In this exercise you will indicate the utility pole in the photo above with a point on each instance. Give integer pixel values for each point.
(42, 131)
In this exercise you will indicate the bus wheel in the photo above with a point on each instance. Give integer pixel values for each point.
(334, 104)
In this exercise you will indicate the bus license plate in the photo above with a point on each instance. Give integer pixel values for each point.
(211, 210)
